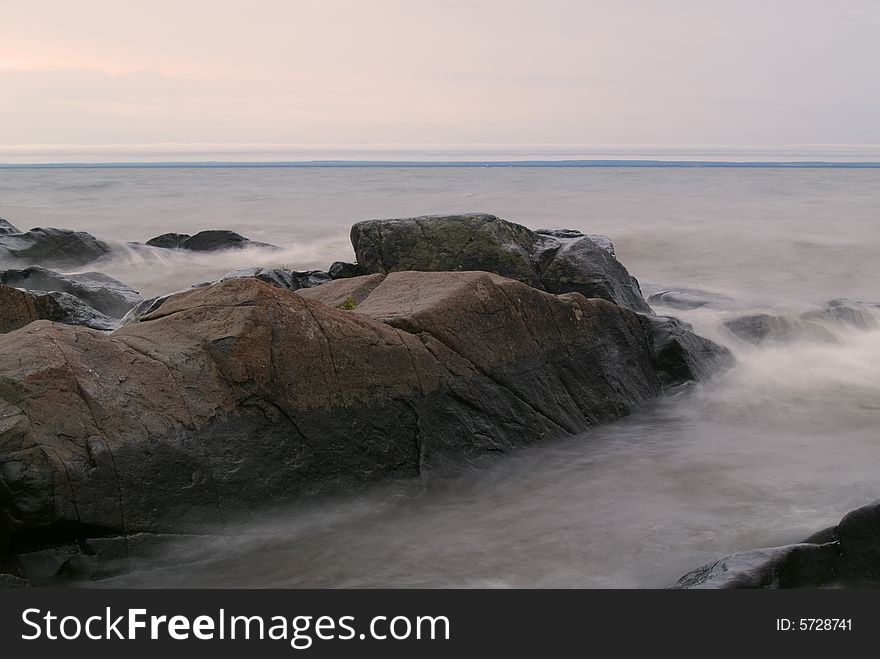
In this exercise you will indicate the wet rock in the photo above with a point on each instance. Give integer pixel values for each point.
(291, 280)
(582, 266)
(560, 261)
(169, 240)
(571, 234)
(689, 298)
(342, 270)
(238, 395)
(845, 555)
(447, 243)
(766, 328)
(108, 295)
(849, 313)
(61, 248)
(7, 227)
(19, 308)
(680, 355)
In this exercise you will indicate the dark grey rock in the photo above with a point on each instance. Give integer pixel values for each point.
(217, 239)
(342, 270)
(7, 227)
(680, 355)
(558, 261)
(291, 280)
(19, 307)
(582, 266)
(845, 555)
(169, 240)
(108, 295)
(52, 247)
(689, 298)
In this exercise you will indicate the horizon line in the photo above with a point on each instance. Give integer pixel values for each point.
(427, 164)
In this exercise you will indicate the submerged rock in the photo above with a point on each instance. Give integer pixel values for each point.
(558, 261)
(7, 227)
(237, 395)
(211, 240)
(169, 240)
(845, 555)
(689, 298)
(849, 313)
(108, 295)
(19, 308)
(680, 355)
(52, 247)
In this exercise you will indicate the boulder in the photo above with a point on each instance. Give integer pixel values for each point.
(845, 555)
(558, 261)
(238, 395)
(169, 240)
(20, 307)
(7, 227)
(342, 270)
(447, 243)
(109, 296)
(680, 355)
(61, 248)
(292, 280)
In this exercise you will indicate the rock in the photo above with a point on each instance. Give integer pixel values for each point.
(689, 298)
(7, 227)
(20, 307)
(342, 270)
(571, 234)
(581, 266)
(12, 581)
(857, 315)
(793, 566)
(558, 261)
(765, 328)
(169, 240)
(680, 355)
(240, 395)
(342, 292)
(292, 280)
(109, 296)
(52, 247)
(845, 555)
(447, 243)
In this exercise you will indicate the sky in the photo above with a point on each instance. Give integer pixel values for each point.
(439, 72)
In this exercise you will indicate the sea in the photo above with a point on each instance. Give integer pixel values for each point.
(776, 448)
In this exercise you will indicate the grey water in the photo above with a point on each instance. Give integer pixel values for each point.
(778, 447)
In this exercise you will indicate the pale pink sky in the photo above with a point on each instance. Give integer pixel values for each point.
(601, 72)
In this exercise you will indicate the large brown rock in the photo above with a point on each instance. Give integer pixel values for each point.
(234, 396)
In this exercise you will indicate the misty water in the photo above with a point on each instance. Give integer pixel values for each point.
(776, 448)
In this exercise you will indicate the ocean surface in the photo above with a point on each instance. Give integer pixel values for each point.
(778, 447)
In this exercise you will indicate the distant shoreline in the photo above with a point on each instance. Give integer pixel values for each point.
(412, 164)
